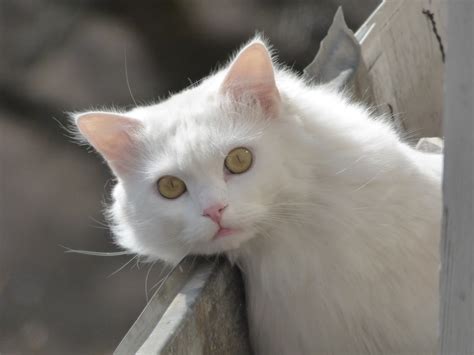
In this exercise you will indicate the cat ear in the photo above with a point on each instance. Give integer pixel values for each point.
(112, 135)
(251, 74)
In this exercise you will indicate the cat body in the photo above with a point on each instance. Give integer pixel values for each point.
(354, 268)
(335, 223)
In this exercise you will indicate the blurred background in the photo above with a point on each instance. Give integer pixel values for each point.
(59, 56)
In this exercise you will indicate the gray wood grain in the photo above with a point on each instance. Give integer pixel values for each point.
(155, 309)
(430, 145)
(405, 64)
(208, 316)
(338, 63)
(338, 57)
(457, 273)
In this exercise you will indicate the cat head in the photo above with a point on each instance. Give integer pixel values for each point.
(200, 172)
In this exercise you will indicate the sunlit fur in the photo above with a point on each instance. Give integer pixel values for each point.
(338, 218)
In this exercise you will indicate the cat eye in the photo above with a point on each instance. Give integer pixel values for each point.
(171, 187)
(239, 160)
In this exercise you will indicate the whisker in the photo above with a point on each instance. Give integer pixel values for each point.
(163, 281)
(121, 267)
(95, 253)
(146, 280)
(126, 78)
(103, 224)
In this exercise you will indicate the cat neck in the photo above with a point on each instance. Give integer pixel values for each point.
(351, 247)
(357, 225)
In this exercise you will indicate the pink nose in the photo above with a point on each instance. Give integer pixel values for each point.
(215, 212)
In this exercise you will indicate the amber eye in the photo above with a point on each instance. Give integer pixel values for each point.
(171, 187)
(239, 160)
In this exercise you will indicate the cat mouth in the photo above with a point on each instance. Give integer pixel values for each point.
(223, 232)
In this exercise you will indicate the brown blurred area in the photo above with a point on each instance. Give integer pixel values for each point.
(60, 56)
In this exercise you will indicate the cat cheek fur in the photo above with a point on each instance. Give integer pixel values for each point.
(141, 227)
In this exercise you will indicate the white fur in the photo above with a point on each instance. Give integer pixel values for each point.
(339, 219)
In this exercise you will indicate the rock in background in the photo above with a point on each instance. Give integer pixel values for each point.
(60, 56)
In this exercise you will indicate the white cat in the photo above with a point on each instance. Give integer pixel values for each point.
(334, 221)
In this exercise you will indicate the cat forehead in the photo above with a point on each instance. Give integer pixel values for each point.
(194, 115)
(185, 137)
(169, 123)
(197, 126)
(187, 148)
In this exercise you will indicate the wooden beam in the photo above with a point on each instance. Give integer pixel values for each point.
(206, 316)
(403, 48)
(457, 272)
(154, 310)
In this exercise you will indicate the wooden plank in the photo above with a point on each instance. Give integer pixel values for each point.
(155, 308)
(401, 47)
(457, 272)
(338, 63)
(208, 316)
(430, 145)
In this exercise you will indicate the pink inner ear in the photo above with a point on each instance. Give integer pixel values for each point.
(111, 136)
(252, 74)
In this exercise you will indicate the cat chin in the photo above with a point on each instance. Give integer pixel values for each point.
(224, 244)
(211, 246)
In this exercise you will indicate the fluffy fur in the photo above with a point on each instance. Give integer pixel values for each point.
(338, 219)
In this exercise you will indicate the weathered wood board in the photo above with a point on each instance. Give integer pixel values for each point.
(154, 310)
(206, 316)
(403, 49)
(457, 246)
